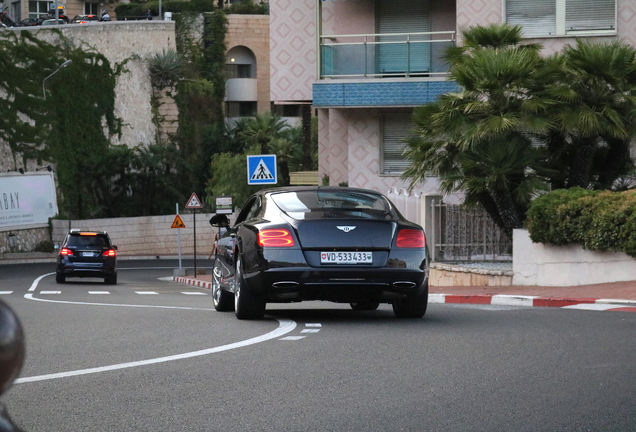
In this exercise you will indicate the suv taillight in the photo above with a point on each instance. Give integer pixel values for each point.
(410, 238)
(66, 251)
(110, 253)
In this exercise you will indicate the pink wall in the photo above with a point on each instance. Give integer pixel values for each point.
(292, 49)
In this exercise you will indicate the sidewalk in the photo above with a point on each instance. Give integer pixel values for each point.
(610, 296)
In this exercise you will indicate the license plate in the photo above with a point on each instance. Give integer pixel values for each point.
(88, 254)
(346, 257)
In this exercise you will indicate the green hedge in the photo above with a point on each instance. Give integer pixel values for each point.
(596, 220)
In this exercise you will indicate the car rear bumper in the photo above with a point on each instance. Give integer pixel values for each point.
(84, 270)
(337, 284)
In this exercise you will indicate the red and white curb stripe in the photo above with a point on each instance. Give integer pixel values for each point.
(497, 299)
(194, 282)
(536, 301)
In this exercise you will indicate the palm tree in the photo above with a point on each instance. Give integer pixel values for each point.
(594, 123)
(262, 129)
(480, 140)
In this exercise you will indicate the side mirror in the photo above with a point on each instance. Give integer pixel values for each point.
(219, 220)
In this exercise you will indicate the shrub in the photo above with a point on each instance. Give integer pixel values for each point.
(44, 246)
(598, 221)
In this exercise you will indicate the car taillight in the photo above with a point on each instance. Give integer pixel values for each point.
(66, 251)
(275, 237)
(410, 238)
(110, 253)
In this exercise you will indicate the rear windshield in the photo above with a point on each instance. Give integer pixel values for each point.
(320, 204)
(88, 241)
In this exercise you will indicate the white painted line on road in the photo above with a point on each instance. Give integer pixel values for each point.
(50, 292)
(146, 292)
(292, 338)
(6, 292)
(99, 292)
(310, 331)
(194, 293)
(284, 326)
(313, 325)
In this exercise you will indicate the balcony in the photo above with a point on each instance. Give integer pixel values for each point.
(393, 55)
(383, 70)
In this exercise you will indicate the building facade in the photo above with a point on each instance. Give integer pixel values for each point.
(366, 64)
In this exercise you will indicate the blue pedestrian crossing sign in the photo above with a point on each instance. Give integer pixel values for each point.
(261, 169)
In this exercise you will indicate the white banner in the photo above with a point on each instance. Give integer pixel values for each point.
(26, 200)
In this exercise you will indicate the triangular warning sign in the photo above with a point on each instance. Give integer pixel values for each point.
(178, 222)
(194, 202)
(262, 172)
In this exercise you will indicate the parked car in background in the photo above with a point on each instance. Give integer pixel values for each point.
(87, 254)
(84, 19)
(52, 22)
(29, 22)
(338, 244)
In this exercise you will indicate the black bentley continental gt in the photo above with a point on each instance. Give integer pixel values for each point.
(338, 244)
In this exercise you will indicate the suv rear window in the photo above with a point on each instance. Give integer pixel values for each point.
(79, 240)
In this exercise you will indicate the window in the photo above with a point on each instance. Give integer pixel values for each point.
(562, 17)
(91, 8)
(38, 9)
(395, 129)
(239, 71)
(240, 109)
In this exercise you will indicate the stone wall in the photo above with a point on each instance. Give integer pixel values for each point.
(24, 240)
(148, 236)
(118, 41)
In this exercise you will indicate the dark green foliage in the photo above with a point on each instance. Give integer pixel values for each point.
(598, 221)
(44, 246)
(248, 7)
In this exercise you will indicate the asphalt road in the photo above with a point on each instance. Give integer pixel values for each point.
(152, 355)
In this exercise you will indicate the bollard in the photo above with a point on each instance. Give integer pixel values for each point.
(12, 349)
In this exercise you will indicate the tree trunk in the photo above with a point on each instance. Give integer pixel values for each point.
(580, 170)
(306, 126)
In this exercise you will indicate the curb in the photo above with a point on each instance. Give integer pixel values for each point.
(521, 300)
(495, 299)
(194, 282)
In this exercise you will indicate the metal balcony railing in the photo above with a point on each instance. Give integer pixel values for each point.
(385, 55)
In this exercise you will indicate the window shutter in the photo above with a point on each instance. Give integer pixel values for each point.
(582, 15)
(537, 17)
(396, 127)
(403, 16)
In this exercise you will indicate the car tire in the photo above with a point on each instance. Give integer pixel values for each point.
(111, 279)
(221, 298)
(412, 307)
(246, 305)
(60, 278)
(365, 305)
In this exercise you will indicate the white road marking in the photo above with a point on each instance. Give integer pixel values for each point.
(293, 338)
(193, 293)
(146, 292)
(50, 292)
(310, 331)
(284, 326)
(6, 292)
(313, 325)
(99, 292)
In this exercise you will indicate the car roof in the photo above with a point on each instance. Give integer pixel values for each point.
(315, 188)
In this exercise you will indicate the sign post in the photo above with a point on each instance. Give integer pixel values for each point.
(194, 203)
(178, 223)
(261, 170)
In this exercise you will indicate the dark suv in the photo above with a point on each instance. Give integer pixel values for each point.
(87, 254)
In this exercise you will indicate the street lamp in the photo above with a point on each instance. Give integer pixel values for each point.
(62, 66)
